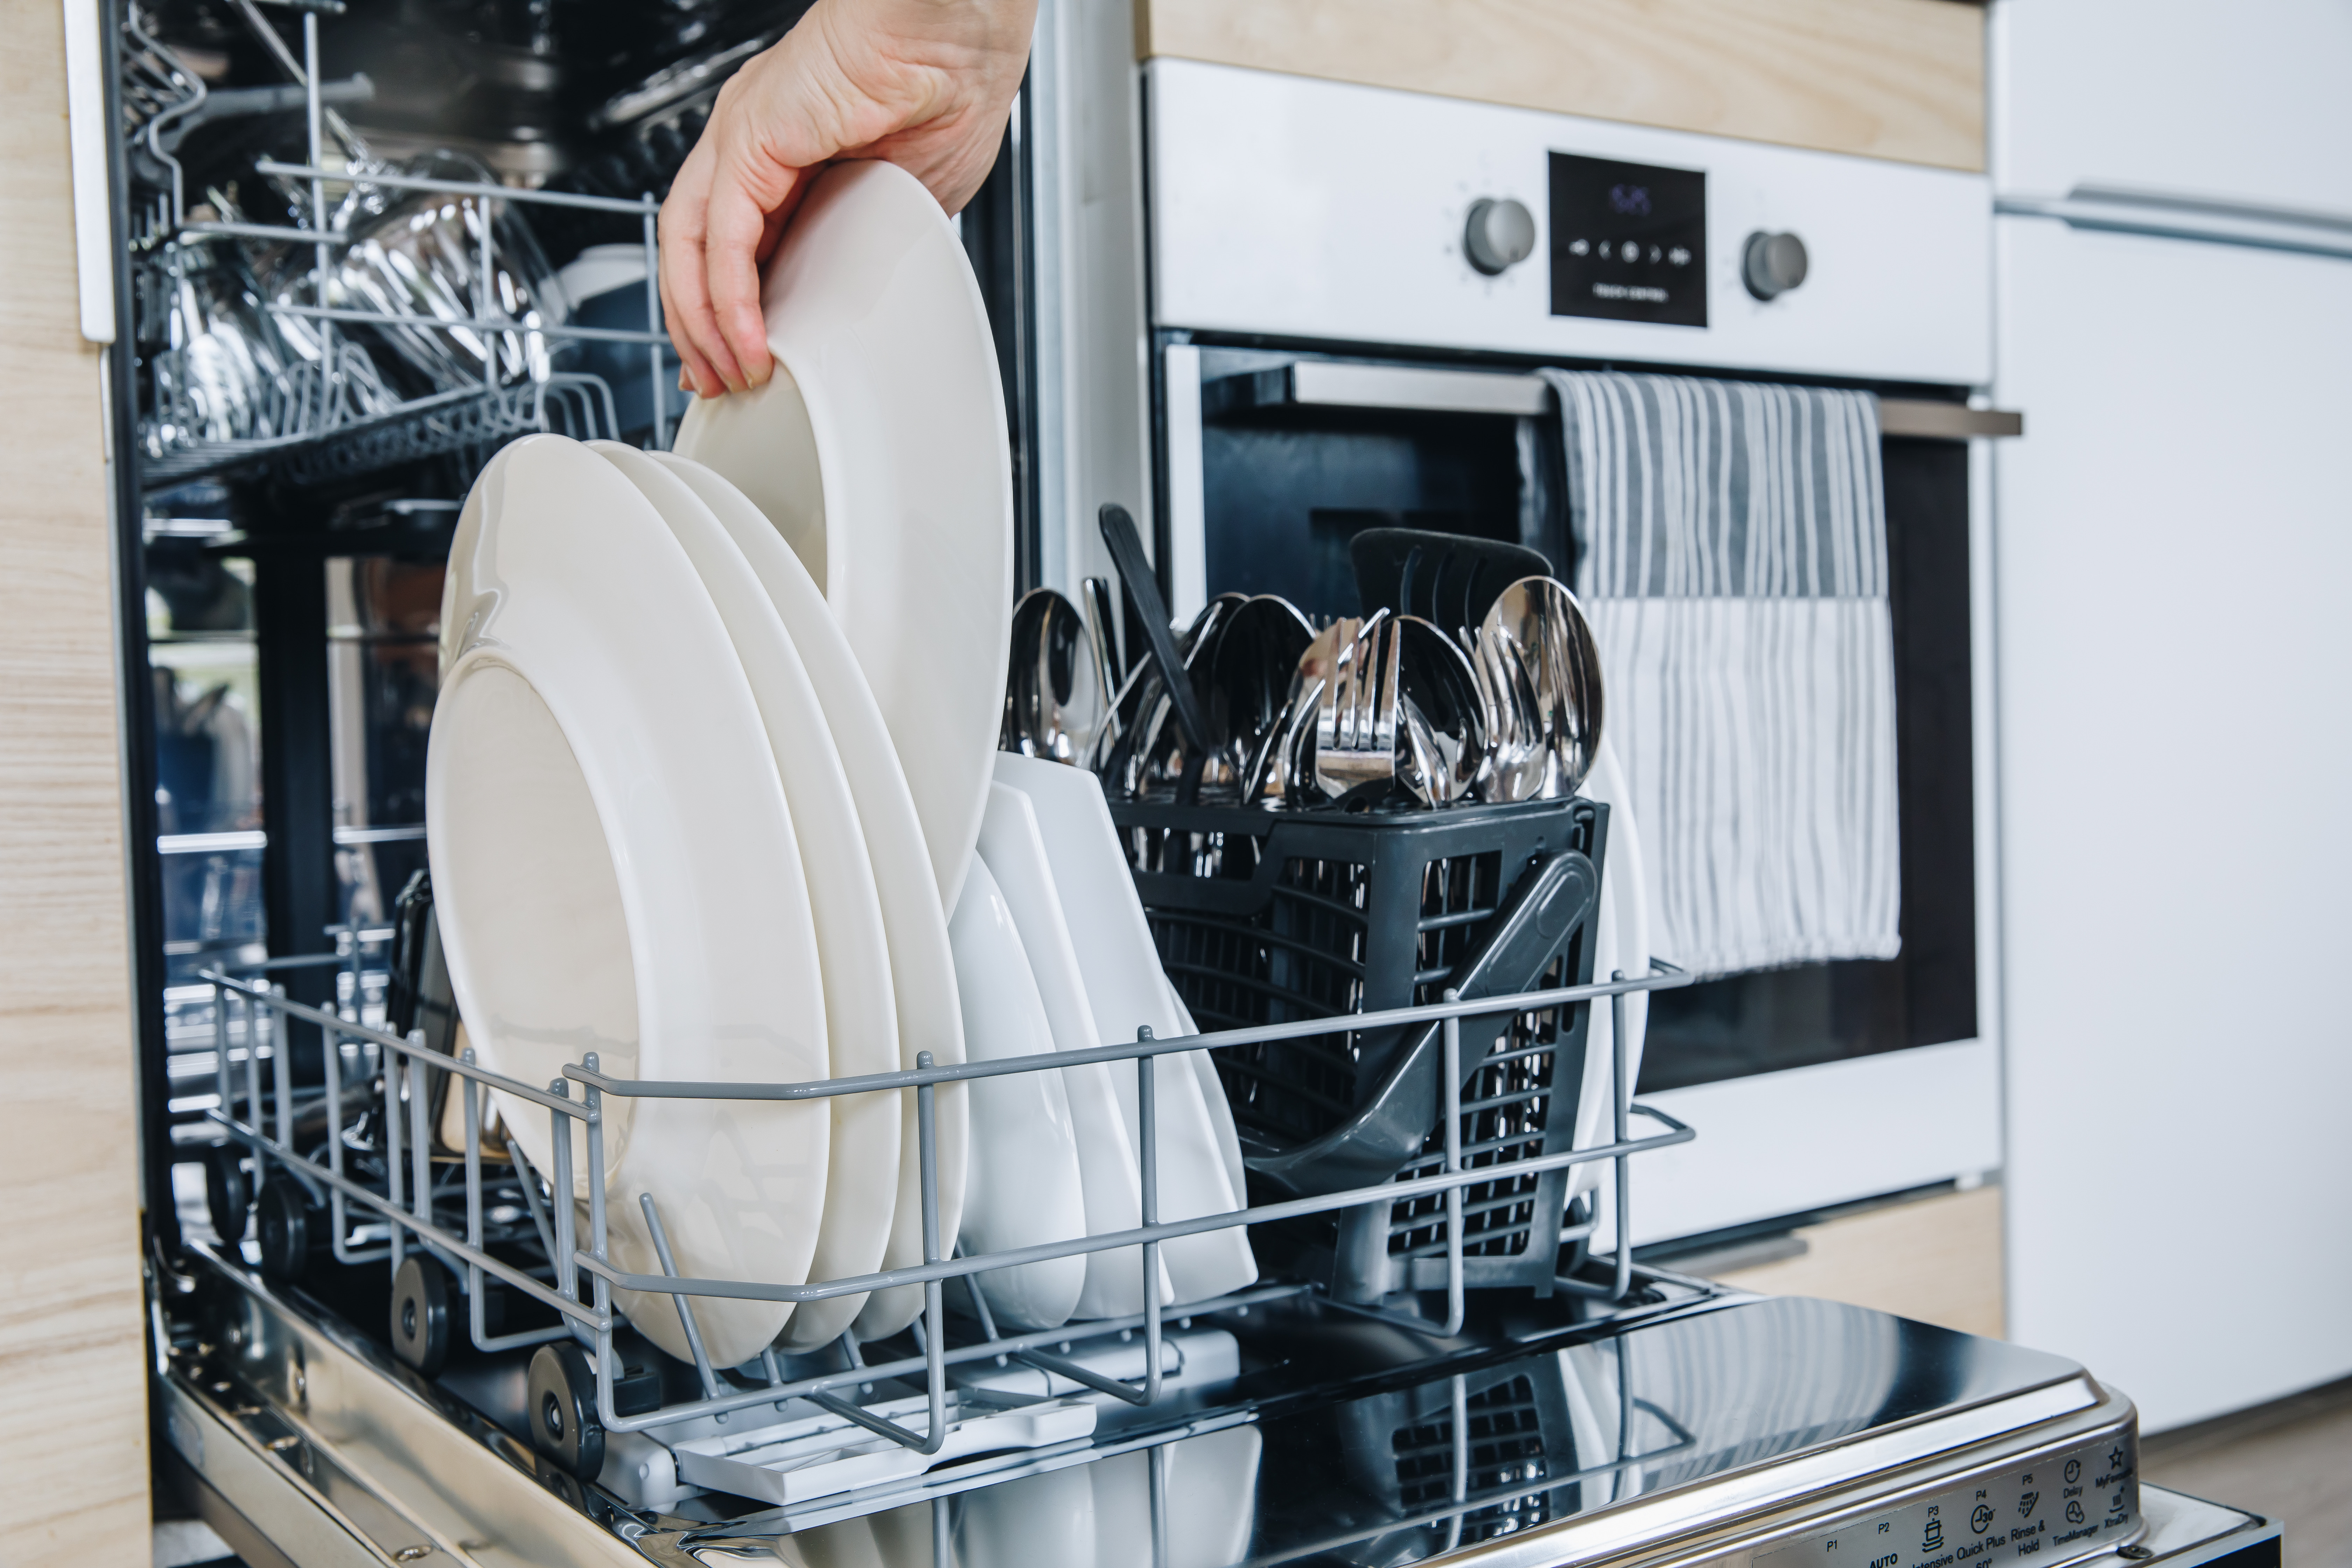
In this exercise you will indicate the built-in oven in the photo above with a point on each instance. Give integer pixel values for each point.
(1351, 294)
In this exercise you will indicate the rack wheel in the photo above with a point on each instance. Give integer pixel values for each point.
(229, 1192)
(563, 1403)
(420, 1314)
(286, 1226)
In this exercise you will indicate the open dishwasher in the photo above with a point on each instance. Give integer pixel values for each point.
(381, 1336)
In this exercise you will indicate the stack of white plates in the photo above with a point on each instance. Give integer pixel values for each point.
(712, 756)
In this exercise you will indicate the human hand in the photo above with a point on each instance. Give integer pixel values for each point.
(925, 84)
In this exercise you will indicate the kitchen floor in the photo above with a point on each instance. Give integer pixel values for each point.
(2291, 1460)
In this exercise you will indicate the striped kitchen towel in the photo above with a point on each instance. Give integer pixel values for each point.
(1731, 555)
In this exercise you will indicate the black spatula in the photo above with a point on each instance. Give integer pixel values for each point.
(1448, 579)
(1127, 553)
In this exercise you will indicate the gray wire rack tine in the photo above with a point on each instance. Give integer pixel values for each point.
(1456, 1303)
(1624, 1410)
(331, 392)
(1461, 1461)
(653, 323)
(359, 975)
(281, 1088)
(942, 1534)
(600, 1239)
(224, 1102)
(1620, 1098)
(559, 1195)
(476, 1324)
(394, 1161)
(935, 1312)
(1156, 1458)
(256, 1029)
(1147, 1121)
(420, 1128)
(702, 1368)
(281, 1080)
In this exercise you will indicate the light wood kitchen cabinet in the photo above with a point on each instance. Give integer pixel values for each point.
(1902, 80)
(73, 1416)
(1936, 1259)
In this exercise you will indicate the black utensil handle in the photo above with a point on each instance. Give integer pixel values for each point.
(1126, 554)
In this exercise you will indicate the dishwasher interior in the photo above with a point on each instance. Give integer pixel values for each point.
(381, 1335)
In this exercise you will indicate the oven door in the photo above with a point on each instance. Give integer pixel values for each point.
(1815, 1085)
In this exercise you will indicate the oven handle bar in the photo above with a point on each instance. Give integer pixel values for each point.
(1421, 389)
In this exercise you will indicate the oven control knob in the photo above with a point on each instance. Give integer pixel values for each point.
(1772, 263)
(1499, 234)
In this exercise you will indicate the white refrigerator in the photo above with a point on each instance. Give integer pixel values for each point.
(2173, 268)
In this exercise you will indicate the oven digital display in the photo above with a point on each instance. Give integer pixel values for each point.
(1628, 241)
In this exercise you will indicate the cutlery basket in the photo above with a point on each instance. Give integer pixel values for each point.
(1265, 916)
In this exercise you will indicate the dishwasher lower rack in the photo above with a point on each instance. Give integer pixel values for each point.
(380, 1169)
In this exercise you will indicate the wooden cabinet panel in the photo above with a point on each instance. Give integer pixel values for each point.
(73, 1421)
(1902, 80)
(1938, 1261)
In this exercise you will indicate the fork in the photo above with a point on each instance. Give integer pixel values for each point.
(1518, 763)
(1355, 733)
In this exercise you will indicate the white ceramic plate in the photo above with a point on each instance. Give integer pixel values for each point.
(1014, 853)
(879, 449)
(1127, 990)
(922, 967)
(861, 1022)
(1621, 942)
(615, 869)
(1023, 1186)
(1212, 1094)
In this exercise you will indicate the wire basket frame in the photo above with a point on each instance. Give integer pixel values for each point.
(330, 415)
(261, 1120)
(1264, 917)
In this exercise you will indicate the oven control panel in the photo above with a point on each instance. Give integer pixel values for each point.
(1296, 210)
(2053, 1511)
(1628, 241)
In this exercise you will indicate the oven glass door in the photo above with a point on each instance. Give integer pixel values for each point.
(1286, 480)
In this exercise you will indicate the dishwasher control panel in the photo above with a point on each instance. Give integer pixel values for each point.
(2051, 1511)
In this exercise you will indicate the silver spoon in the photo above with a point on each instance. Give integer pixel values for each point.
(1282, 768)
(1159, 753)
(1250, 671)
(1441, 716)
(1102, 621)
(1054, 704)
(1541, 672)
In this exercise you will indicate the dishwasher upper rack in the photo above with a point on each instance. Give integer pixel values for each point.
(330, 416)
(407, 1211)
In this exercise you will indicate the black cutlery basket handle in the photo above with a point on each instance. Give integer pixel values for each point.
(1270, 917)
